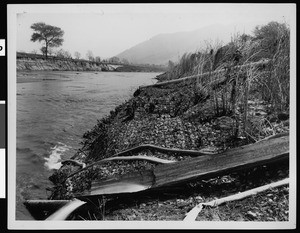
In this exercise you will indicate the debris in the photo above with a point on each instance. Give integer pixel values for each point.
(262, 152)
(191, 216)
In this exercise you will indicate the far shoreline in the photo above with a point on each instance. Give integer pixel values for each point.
(25, 76)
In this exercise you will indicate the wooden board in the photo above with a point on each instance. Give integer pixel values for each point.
(217, 72)
(234, 159)
(133, 182)
(248, 156)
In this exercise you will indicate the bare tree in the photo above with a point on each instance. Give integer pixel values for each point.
(68, 55)
(63, 54)
(114, 60)
(97, 59)
(125, 61)
(90, 55)
(77, 55)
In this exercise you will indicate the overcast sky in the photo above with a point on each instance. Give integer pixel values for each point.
(109, 29)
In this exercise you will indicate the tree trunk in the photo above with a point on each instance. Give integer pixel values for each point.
(260, 153)
(46, 52)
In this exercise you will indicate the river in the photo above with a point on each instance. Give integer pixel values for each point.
(54, 110)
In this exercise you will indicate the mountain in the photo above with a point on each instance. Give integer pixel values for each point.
(171, 46)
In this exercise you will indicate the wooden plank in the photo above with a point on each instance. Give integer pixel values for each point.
(262, 152)
(192, 77)
(129, 183)
(234, 159)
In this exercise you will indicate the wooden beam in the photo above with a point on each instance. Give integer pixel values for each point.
(129, 183)
(259, 63)
(262, 152)
(247, 156)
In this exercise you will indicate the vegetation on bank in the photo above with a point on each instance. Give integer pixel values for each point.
(247, 106)
(29, 61)
(269, 42)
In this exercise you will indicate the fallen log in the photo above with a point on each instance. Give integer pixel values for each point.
(260, 153)
(129, 183)
(193, 77)
(273, 150)
(234, 159)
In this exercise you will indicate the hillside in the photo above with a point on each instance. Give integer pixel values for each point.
(171, 46)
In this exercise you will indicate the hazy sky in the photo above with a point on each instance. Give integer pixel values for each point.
(109, 29)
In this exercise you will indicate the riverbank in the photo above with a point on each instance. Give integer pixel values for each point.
(174, 116)
(55, 64)
(24, 64)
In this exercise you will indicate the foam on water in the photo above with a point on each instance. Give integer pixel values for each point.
(52, 162)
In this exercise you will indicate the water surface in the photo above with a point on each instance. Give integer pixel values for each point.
(54, 110)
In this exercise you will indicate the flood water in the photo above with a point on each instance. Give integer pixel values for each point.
(54, 110)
